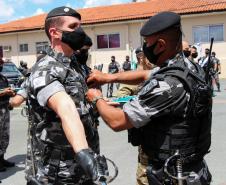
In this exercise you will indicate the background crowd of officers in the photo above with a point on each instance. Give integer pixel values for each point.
(64, 144)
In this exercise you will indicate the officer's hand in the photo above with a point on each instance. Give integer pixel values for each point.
(86, 160)
(92, 94)
(8, 92)
(97, 78)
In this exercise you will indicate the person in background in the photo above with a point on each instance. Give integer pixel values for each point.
(126, 66)
(113, 67)
(217, 70)
(130, 90)
(5, 93)
(23, 68)
(40, 54)
(194, 54)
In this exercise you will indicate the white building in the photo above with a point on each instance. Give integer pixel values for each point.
(115, 29)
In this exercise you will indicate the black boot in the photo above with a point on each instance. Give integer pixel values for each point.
(7, 163)
(2, 167)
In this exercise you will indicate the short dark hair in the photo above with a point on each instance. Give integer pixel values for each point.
(194, 47)
(213, 53)
(113, 57)
(53, 21)
(173, 35)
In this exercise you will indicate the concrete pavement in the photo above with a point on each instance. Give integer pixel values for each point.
(115, 146)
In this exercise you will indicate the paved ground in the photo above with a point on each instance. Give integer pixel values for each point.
(115, 146)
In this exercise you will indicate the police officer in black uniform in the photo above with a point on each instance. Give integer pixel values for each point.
(66, 134)
(114, 67)
(172, 111)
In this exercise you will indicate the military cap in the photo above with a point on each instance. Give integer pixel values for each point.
(63, 11)
(42, 52)
(139, 50)
(160, 22)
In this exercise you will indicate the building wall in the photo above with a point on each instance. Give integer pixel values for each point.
(129, 39)
(219, 47)
(14, 40)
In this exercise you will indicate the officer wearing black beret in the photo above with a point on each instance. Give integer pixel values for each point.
(64, 132)
(170, 118)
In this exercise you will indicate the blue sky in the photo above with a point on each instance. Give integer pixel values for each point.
(16, 9)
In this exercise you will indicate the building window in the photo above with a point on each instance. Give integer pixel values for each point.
(23, 47)
(205, 33)
(108, 41)
(41, 46)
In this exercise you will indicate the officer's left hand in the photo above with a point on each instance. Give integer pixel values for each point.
(92, 94)
(8, 92)
(97, 78)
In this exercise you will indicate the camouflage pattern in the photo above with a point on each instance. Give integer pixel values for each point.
(142, 167)
(52, 74)
(216, 72)
(126, 90)
(153, 102)
(4, 128)
(4, 117)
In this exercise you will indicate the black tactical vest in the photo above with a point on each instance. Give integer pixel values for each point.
(113, 68)
(191, 134)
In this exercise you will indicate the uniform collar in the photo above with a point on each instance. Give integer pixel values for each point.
(59, 56)
(173, 60)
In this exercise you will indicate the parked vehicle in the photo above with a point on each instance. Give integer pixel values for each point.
(11, 72)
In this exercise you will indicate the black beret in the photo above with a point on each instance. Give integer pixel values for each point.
(160, 22)
(63, 11)
(139, 50)
(42, 52)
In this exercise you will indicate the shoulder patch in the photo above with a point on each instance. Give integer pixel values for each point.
(148, 86)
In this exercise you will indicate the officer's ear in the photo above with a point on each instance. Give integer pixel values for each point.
(161, 46)
(55, 33)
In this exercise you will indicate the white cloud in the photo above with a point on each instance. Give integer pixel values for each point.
(141, 0)
(41, 1)
(39, 11)
(6, 10)
(93, 3)
(68, 4)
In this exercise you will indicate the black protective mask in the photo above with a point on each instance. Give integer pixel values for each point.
(82, 57)
(149, 53)
(74, 39)
(207, 53)
(194, 55)
(187, 53)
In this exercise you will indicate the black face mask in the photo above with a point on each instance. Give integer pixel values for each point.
(187, 53)
(148, 52)
(194, 55)
(74, 39)
(82, 57)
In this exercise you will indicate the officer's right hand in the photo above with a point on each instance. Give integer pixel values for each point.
(97, 78)
(87, 161)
